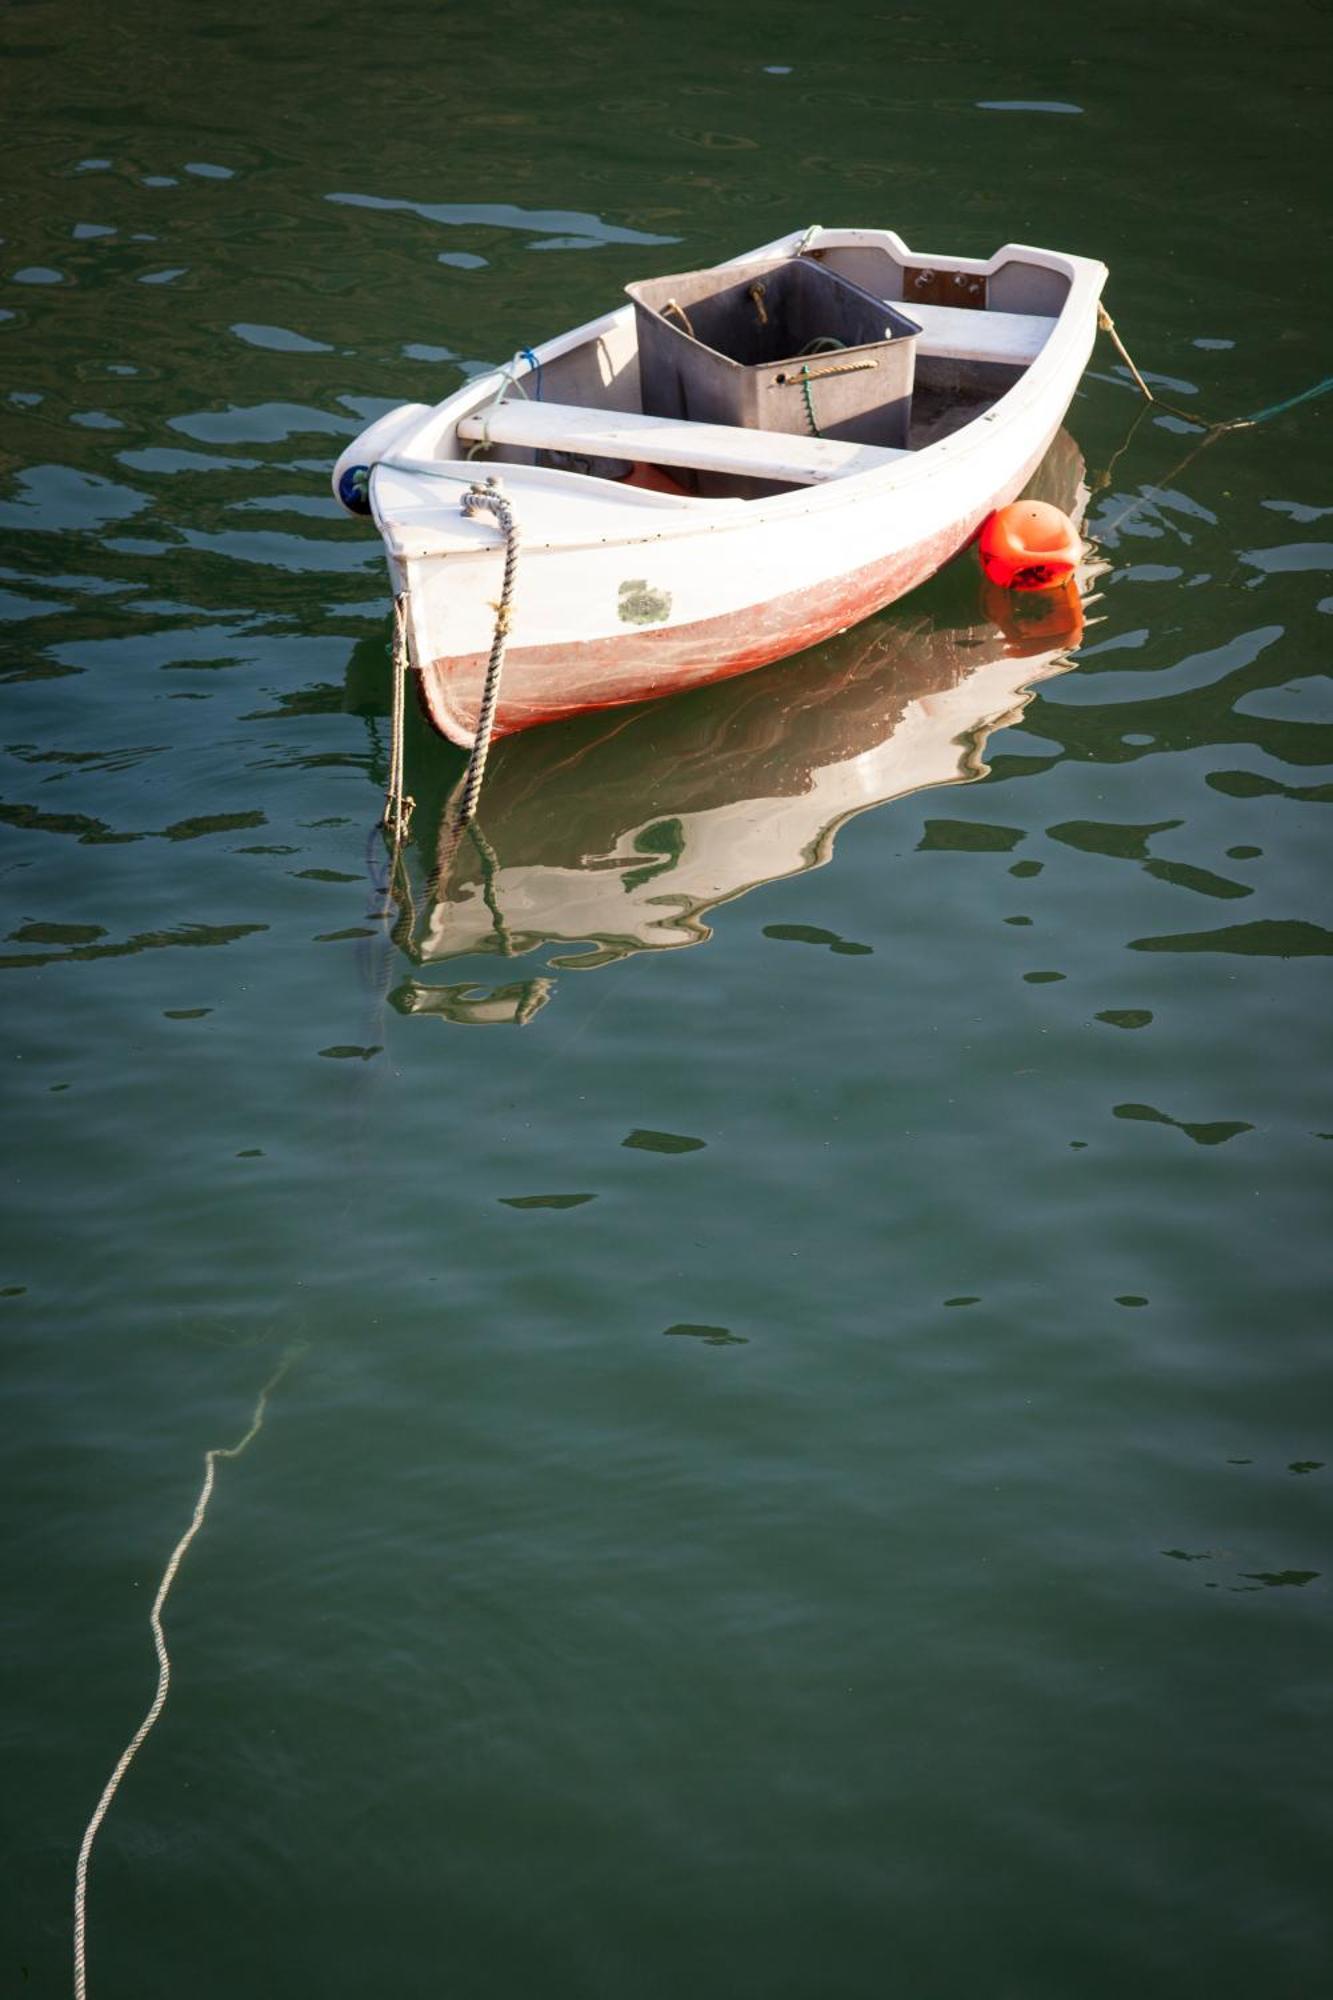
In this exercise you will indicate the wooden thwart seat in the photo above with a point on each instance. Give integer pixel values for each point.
(799, 461)
(961, 333)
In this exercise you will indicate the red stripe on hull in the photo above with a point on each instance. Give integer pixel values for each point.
(551, 683)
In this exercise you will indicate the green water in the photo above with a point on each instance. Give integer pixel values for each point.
(868, 1535)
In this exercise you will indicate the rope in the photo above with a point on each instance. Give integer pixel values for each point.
(825, 344)
(674, 306)
(843, 368)
(488, 499)
(1211, 431)
(398, 807)
(527, 354)
(428, 468)
(508, 380)
(136, 1742)
(1305, 396)
(1107, 325)
(398, 804)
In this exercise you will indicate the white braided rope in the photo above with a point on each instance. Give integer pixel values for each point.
(135, 1744)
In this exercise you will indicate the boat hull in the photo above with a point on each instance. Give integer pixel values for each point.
(550, 682)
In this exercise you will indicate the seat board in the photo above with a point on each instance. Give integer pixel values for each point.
(962, 333)
(775, 455)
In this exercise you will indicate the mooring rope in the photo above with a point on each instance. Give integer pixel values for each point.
(1211, 432)
(158, 1703)
(1108, 325)
(398, 803)
(508, 380)
(489, 499)
(1290, 402)
(398, 806)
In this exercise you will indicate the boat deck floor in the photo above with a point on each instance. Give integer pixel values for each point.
(938, 411)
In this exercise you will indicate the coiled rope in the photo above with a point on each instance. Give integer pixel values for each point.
(158, 1703)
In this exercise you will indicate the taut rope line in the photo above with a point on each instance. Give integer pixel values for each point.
(398, 807)
(1107, 325)
(136, 1742)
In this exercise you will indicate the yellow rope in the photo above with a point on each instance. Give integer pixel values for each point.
(158, 1703)
(842, 368)
(673, 306)
(1107, 325)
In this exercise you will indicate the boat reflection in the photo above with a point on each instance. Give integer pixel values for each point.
(621, 831)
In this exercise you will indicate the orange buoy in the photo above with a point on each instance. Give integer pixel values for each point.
(1029, 545)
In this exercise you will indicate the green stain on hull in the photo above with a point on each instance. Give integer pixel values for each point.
(639, 605)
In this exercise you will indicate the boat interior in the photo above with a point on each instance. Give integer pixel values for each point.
(597, 404)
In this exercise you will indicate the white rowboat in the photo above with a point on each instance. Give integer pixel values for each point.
(631, 587)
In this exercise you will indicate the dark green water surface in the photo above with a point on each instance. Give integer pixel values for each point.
(804, 1465)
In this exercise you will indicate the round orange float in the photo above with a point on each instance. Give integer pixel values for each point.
(1029, 545)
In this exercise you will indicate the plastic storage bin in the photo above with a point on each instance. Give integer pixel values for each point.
(780, 344)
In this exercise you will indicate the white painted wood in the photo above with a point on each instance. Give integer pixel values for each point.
(666, 441)
(961, 333)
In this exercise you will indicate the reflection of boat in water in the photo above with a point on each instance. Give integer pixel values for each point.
(620, 831)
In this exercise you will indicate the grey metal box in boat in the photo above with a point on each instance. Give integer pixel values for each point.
(778, 344)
